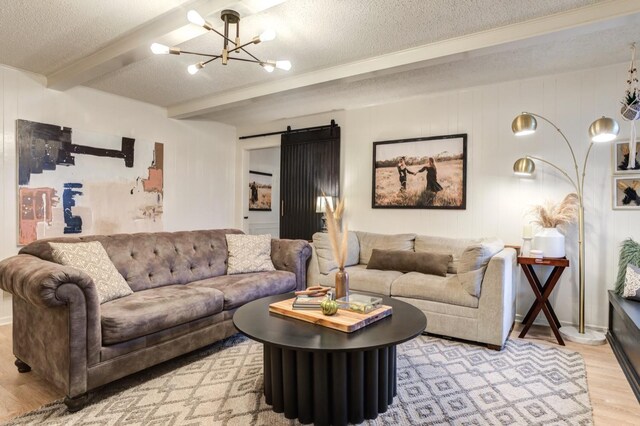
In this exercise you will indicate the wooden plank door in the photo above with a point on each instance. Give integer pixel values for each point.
(310, 164)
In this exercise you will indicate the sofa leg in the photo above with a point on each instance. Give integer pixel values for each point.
(22, 366)
(77, 403)
(495, 347)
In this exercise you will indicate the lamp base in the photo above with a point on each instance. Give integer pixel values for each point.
(589, 337)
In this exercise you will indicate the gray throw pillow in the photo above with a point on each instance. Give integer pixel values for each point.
(249, 253)
(632, 283)
(409, 261)
(92, 259)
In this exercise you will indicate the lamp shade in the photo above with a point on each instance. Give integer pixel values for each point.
(524, 167)
(604, 129)
(524, 124)
(321, 203)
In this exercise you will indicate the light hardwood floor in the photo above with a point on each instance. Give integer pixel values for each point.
(611, 396)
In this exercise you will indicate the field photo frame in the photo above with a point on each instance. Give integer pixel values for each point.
(420, 173)
(260, 191)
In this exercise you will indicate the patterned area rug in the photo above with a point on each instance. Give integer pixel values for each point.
(440, 382)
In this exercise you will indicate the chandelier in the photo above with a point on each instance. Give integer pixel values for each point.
(230, 17)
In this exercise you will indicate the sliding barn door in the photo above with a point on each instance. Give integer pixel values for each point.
(310, 164)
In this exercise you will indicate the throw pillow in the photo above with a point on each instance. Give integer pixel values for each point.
(92, 259)
(455, 246)
(409, 261)
(369, 241)
(249, 253)
(326, 264)
(629, 253)
(632, 283)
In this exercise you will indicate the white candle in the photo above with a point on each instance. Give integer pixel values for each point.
(527, 231)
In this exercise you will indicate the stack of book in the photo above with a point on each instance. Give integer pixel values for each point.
(307, 302)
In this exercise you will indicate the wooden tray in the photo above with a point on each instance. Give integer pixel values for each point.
(343, 320)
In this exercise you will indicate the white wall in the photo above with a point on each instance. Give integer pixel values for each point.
(266, 160)
(199, 174)
(496, 200)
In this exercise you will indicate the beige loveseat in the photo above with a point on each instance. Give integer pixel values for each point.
(477, 303)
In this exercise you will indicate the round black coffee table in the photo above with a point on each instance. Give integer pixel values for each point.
(326, 376)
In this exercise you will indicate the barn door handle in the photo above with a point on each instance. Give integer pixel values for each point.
(282, 208)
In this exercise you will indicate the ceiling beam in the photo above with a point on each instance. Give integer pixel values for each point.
(170, 28)
(587, 19)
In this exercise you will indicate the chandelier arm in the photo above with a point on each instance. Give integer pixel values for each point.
(575, 185)
(573, 155)
(246, 60)
(199, 54)
(223, 36)
(211, 60)
(235, 49)
(247, 52)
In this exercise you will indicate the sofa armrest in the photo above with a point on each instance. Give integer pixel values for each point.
(53, 291)
(313, 271)
(292, 256)
(497, 304)
(38, 281)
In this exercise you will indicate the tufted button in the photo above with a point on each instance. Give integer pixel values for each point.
(211, 245)
(176, 249)
(132, 255)
(150, 275)
(194, 247)
(171, 270)
(155, 251)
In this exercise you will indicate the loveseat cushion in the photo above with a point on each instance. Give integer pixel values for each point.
(431, 287)
(454, 246)
(368, 241)
(243, 288)
(148, 311)
(326, 263)
(362, 279)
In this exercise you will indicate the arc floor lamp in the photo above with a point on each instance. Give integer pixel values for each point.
(604, 129)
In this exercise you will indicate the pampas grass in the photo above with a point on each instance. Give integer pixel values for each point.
(338, 244)
(551, 215)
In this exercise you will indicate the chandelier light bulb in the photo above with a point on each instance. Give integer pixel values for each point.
(268, 67)
(283, 65)
(268, 35)
(159, 49)
(195, 18)
(192, 69)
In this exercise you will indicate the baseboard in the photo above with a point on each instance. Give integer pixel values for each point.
(543, 323)
(5, 320)
(627, 369)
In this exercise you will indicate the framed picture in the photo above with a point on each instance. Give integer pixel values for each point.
(626, 192)
(420, 173)
(260, 191)
(621, 151)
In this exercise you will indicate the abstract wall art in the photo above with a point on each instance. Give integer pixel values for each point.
(74, 182)
(420, 173)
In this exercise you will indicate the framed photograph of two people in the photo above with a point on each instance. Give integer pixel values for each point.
(420, 173)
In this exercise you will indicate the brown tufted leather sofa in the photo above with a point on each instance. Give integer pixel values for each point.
(182, 300)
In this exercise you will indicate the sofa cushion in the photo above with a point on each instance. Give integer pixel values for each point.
(92, 259)
(454, 246)
(243, 288)
(369, 241)
(322, 245)
(249, 253)
(149, 260)
(479, 254)
(431, 287)
(409, 261)
(148, 311)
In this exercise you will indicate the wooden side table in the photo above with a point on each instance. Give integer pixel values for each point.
(542, 292)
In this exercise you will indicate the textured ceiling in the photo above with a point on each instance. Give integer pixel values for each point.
(317, 34)
(45, 36)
